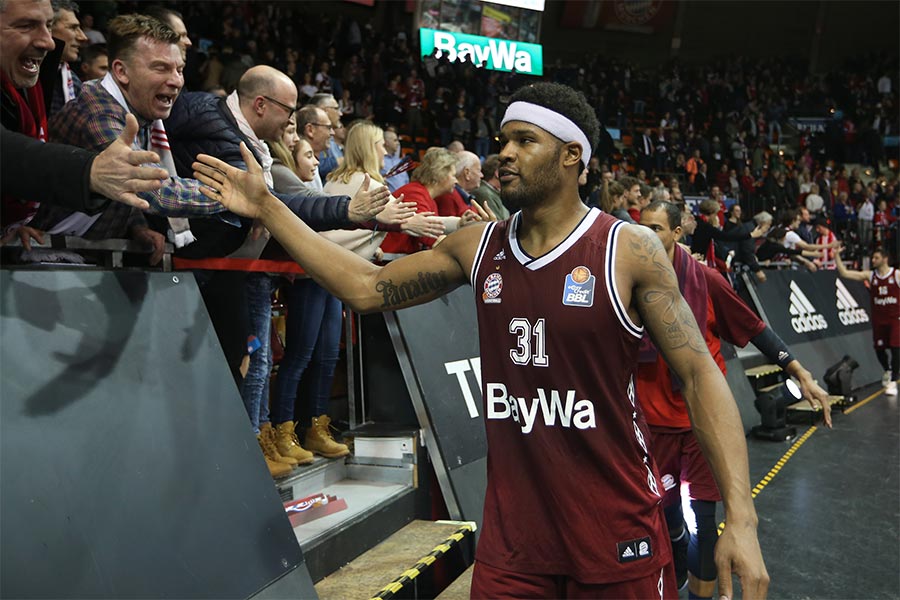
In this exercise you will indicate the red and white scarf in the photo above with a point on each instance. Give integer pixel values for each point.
(179, 228)
(68, 82)
(33, 123)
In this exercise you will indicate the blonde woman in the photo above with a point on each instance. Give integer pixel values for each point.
(279, 444)
(314, 317)
(435, 175)
(364, 154)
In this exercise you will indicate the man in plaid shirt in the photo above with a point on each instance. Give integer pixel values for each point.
(146, 74)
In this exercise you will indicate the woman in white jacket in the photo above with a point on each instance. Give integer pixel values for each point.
(364, 154)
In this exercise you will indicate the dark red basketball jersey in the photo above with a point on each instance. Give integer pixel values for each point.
(885, 295)
(572, 489)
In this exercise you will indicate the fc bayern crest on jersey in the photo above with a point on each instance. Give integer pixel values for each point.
(493, 285)
(579, 288)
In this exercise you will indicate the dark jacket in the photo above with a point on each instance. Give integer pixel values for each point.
(706, 232)
(24, 170)
(24, 159)
(201, 123)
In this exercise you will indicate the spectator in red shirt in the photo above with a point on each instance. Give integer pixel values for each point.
(457, 201)
(826, 238)
(435, 175)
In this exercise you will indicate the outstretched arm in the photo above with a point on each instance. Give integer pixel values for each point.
(646, 277)
(846, 273)
(412, 280)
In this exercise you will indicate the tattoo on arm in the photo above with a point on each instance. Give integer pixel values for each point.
(397, 294)
(664, 299)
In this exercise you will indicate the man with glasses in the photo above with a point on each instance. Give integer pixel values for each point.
(313, 125)
(258, 111)
(256, 114)
(333, 154)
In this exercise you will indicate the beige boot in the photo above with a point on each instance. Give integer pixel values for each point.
(319, 439)
(287, 444)
(268, 436)
(276, 469)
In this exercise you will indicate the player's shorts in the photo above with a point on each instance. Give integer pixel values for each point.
(680, 460)
(492, 582)
(886, 335)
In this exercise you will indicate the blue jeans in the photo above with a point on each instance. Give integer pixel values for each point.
(255, 388)
(313, 332)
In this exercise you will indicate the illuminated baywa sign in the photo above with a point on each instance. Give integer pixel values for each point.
(490, 53)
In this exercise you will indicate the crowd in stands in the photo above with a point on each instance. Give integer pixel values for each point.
(724, 126)
(326, 105)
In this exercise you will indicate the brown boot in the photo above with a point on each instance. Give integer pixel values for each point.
(319, 439)
(276, 469)
(287, 444)
(268, 436)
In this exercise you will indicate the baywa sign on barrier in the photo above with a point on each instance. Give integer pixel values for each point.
(491, 53)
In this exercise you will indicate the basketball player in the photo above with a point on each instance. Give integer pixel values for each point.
(714, 303)
(563, 294)
(884, 291)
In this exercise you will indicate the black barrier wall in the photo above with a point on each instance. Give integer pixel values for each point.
(129, 468)
(822, 318)
(437, 347)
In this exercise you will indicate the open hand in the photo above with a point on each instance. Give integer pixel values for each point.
(367, 203)
(117, 172)
(396, 212)
(484, 211)
(242, 192)
(424, 224)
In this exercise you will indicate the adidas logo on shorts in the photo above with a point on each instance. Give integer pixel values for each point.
(804, 316)
(632, 550)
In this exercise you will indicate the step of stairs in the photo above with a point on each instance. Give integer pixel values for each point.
(371, 494)
(762, 371)
(398, 562)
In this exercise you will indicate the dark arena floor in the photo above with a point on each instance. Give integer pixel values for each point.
(829, 516)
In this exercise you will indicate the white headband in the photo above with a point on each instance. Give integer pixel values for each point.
(550, 121)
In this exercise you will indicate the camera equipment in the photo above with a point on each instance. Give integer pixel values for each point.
(772, 407)
(838, 377)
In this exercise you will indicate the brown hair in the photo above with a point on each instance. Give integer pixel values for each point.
(610, 191)
(709, 207)
(124, 31)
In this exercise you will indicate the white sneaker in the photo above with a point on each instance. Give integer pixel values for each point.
(886, 379)
(891, 389)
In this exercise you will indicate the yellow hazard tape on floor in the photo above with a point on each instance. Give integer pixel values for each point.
(864, 402)
(794, 447)
(408, 575)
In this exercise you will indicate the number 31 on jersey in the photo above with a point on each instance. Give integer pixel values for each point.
(524, 331)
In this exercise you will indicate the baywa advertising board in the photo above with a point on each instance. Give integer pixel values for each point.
(489, 53)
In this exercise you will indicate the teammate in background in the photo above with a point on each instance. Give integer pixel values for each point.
(884, 291)
(568, 460)
(725, 316)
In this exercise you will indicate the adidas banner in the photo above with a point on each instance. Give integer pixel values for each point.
(803, 306)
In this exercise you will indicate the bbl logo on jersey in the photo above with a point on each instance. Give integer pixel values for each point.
(493, 285)
(579, 289)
